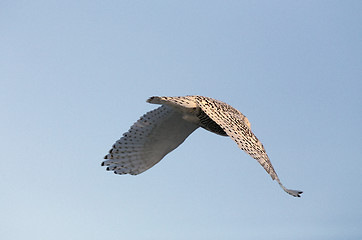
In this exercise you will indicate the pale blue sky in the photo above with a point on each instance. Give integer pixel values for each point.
(75, 75)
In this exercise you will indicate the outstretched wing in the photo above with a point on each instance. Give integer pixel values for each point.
(237, 126)
(232, 122)
(154, 135)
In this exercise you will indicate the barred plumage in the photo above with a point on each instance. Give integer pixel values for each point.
(160, 131)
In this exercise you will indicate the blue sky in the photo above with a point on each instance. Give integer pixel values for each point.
(75, 75)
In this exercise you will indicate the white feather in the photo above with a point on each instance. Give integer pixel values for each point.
(162, 130)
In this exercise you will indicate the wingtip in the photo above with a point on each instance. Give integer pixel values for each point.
(294, 193)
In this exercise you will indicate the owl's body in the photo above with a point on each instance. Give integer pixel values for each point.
(160, 131)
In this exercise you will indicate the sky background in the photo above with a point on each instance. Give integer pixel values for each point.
(75, 75)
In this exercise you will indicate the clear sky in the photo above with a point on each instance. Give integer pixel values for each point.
(75, 75)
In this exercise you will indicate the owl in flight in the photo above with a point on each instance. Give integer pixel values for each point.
(160, 131)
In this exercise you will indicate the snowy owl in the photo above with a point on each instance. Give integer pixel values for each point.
(160, 131)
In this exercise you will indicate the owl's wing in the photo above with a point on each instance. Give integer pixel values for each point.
(154, 135)
(237, 126)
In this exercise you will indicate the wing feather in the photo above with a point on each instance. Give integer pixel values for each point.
(237, 126)
(160, 131)
(154, 135)
(234, 124)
